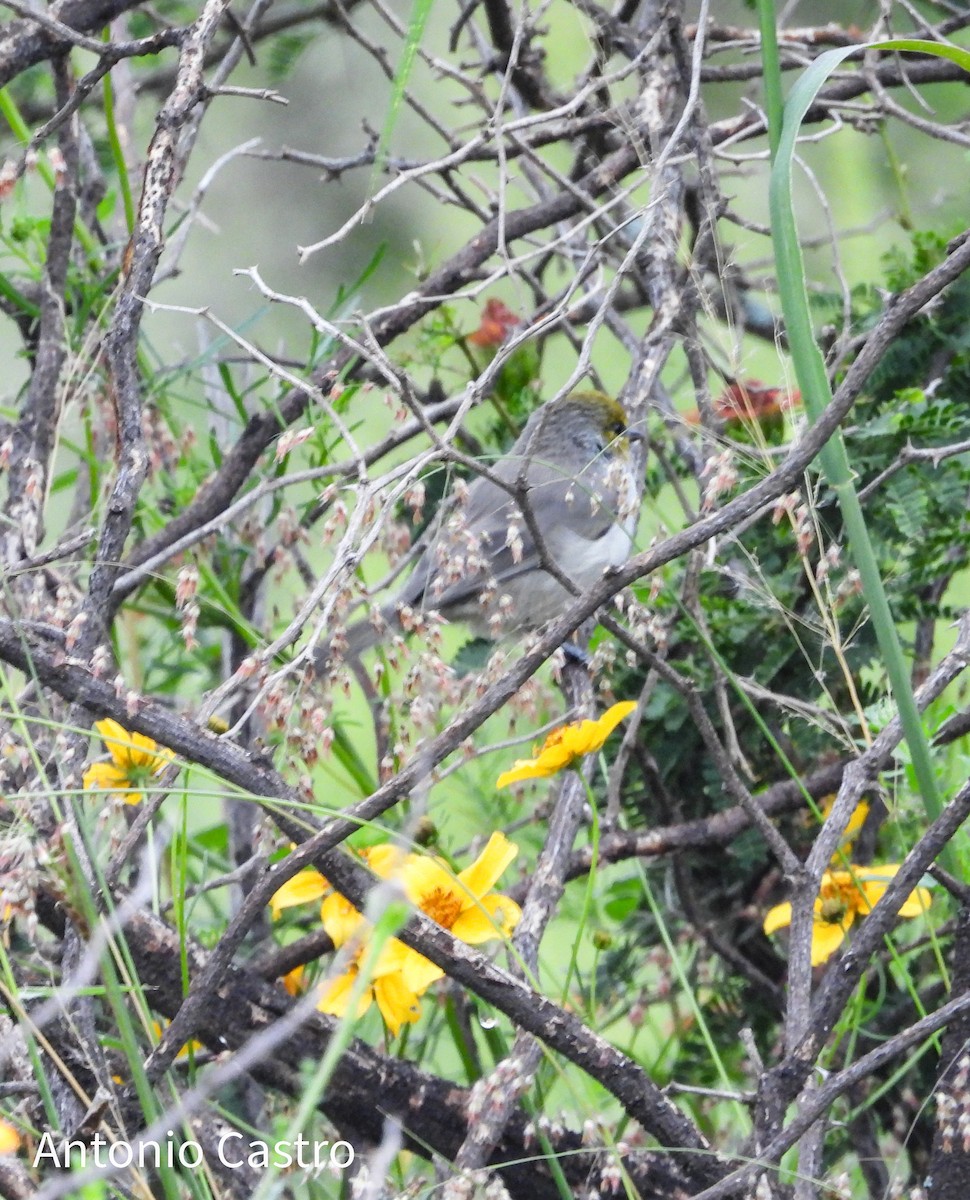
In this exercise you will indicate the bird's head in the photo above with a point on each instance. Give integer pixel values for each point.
(590, 422)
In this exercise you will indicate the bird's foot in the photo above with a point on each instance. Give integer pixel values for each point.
(576, 653)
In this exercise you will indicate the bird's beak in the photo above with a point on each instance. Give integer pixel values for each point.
(634, 435)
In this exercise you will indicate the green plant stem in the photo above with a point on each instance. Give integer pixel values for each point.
(816, 390)
(774, 103)
(20, 130)
(118, 154)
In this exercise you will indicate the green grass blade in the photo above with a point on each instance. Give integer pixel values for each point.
(813, 380)
(416, 27)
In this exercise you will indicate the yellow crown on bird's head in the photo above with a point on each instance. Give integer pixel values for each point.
(606, 414)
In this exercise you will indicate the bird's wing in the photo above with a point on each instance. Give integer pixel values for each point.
(446, 573)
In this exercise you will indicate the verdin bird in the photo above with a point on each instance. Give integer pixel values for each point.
(481, 563)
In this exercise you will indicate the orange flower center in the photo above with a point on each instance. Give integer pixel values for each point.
(833, 910)
(140, 774)
(837, 901)
(443, 907)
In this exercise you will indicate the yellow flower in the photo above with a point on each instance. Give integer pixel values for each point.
(397, 1003)
(191, 1044)
(856, 821)
(843, 896)
(384, 859)
(309, 885)
(463, 904)
(136, 761)
(302, 888)
(340, 919)
(567, 743)
(9, 1138)
(295, 981)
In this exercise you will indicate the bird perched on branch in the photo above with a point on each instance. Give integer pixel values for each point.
(565, 496)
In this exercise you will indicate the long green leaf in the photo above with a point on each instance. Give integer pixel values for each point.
(813, 379)
(416, 27)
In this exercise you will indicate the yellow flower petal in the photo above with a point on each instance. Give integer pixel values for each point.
(393, 956)
(593, 734)
(777, 918)
(866, 885)
(295, 981)
(191, 1045)
(916, 903)
(872, 892)
(304, 888)
(339, 918)
(335, 995)
(874, 880)
(827, 937)
(128, 749)
(490, 865)
(530, 768)
(856, 821)
(398, 1004)
(105, 777)
(385, 859)
(115, 738)
(135, 759)
(428, 881)
(567, 743)
(9, 1138)
(496, 918)
(418, 972)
